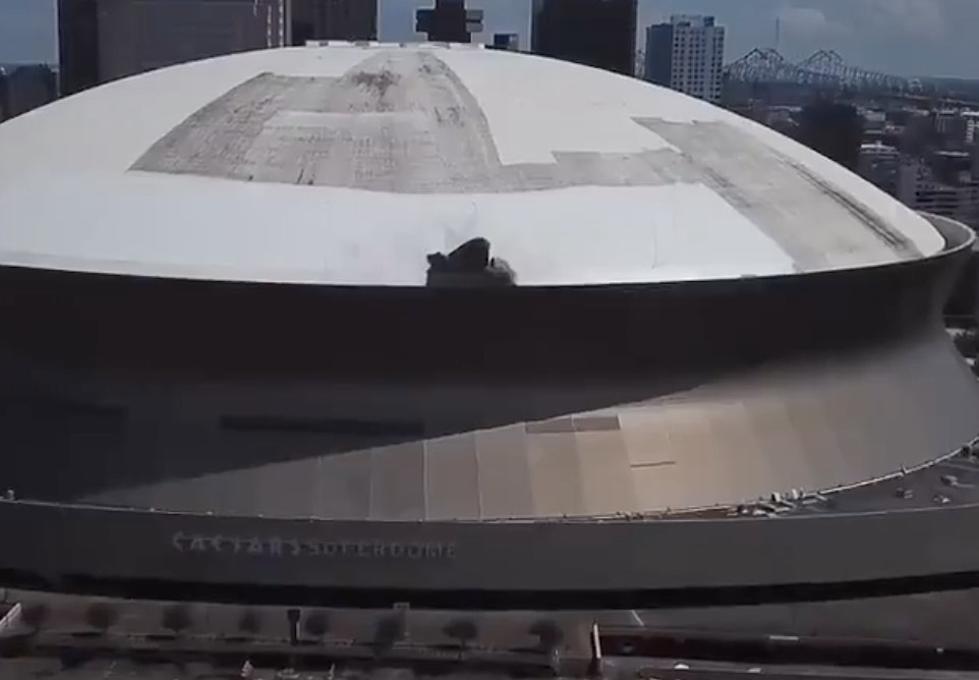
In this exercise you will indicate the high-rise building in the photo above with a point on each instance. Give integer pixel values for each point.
(333, 20)
(600, 33)
(78, 45)
(137, 36)
(687, 55)
(468, 21)
(102, 40)
(449, 21)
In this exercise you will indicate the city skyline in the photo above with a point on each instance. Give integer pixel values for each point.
(940, 29)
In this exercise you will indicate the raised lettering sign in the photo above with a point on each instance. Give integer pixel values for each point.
(281, 547)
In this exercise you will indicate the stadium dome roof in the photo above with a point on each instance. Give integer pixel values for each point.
(349, 164)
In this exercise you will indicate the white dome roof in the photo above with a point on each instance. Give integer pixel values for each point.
(349, 164)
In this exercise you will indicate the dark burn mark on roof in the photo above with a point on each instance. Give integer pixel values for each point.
(380, 81)
(402, 121)
(795, 206)
(881, 228)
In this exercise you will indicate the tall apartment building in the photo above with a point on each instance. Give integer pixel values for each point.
(971, 127)
(687, 55)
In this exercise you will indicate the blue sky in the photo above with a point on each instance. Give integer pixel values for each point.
(27, 31)
(906, 37)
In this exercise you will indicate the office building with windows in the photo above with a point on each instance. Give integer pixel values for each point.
(952, 196)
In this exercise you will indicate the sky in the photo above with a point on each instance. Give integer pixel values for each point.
(28, 32)
(904, 37)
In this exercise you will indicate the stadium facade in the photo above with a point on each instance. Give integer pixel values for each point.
(226, 361)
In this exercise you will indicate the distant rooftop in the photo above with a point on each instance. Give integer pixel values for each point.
(696, 20)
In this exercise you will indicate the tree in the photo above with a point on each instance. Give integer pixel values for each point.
(834, 129)
(250, 622)
(463, 630)
(549, 636)
(176, 618)
(389, 630)
(548, 633)
(34, 615)
(101, 616)
(316, 624)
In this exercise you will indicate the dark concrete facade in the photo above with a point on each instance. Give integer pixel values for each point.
(333, 20)
(159, 371)
(141, 36)
(377, 498)
(23, 88)
(659, 54)
(103, 40)
(600, 34)
(78, 45)
(591, 563)
(449, 21)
